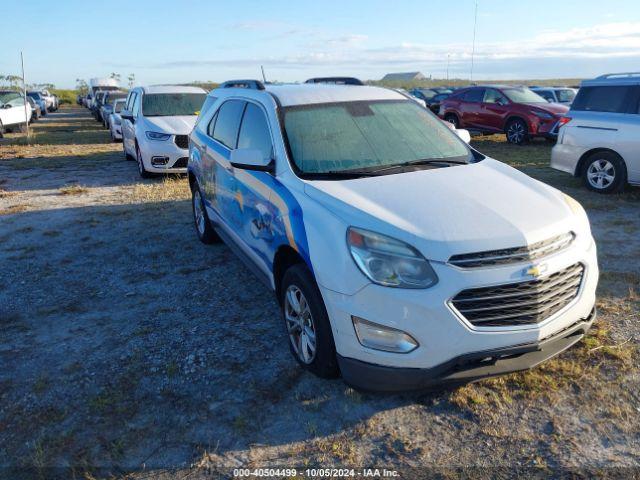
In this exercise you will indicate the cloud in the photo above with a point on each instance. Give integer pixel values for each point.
(605, 41)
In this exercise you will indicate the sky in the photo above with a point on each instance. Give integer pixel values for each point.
(162, 41)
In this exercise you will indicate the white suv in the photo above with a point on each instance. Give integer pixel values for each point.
(13, 115)
(400, 257)
(156, 123)
(599, 138)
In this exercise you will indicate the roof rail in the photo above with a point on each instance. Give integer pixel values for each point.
(336, 80)
(619, 75)
(251, 84)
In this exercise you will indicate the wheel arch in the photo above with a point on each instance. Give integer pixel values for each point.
(580, 166)
(515, 116)
(285, 257)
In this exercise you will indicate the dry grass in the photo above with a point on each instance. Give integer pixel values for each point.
(5, 193)
(73, 190)
(171, 188)
(13, 209)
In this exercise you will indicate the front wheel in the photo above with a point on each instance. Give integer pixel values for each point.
(604, 172)
(452, 119)
(517, 132)
(307, 323)
(141, 170)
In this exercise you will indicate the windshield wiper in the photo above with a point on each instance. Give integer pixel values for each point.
(340, 174)
(412, 163)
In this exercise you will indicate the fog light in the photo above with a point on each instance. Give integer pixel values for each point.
(159, 161)
(378, 337)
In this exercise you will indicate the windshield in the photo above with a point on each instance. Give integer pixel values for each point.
(338, 137)
(523, 95)
(565, 95)
(11, 98)
(171, 104)
(34, 95)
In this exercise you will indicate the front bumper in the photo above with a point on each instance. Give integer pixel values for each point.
(168, 149)
(464, 368)
(443, 334)
(565, 157)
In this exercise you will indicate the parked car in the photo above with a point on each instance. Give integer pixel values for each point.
(96, 105)
(600, 136)
(36, 113)
(104, 84)
(562, 95)
(396, 252)
(156, 124)
(50, 100)
(39, 99)
(516, 111)
(115, 120)
(107, 105)
(13, 114)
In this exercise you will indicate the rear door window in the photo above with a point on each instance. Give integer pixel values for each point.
(613, 99)
(475, 95)
(228, 122)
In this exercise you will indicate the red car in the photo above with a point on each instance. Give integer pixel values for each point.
(516, 111)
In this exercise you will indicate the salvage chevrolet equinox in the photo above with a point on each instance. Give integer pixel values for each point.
(401, 257)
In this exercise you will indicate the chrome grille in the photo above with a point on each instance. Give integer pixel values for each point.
(520, 303)
(513, 255)
(182, 141)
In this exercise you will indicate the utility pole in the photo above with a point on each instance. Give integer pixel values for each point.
(24, 93)
(473, 47)
(448, 58)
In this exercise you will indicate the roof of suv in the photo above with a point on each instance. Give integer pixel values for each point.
(308, 93)
(631, 78)
(171, 89)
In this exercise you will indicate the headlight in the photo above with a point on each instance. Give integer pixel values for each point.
(379, 337)
(389, 262)
(158, 136)
(543, 115)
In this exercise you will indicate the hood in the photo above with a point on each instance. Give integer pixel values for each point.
(447, 211)
(552, 108)
(178, 125)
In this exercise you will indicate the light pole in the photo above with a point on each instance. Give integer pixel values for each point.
(448, 58)
(473, 46)
(24, 93)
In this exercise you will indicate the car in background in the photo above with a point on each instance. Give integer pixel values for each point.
(36, 112)
(562, 95)
(107, 105)
(442, 265)
(39, 99)
(50, 100)
(599, 137)
(13, 114)
(517, 112)
(114, 121)
(97, 103)
(156, 124)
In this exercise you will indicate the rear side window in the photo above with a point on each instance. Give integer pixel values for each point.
(475, 95)
(254, 132)
(228, 122)
(614, 99)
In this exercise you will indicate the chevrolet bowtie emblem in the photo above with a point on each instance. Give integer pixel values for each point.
(536, 270)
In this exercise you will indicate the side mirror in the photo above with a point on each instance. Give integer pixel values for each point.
(464, 135)
(126, 115)
(250, 159)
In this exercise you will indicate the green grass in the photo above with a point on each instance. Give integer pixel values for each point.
(67, 97)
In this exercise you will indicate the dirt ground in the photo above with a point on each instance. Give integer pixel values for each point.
(128, 348)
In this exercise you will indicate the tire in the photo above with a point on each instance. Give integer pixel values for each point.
(604, 172)
(453, 119)
(204, 230)
(141, 170)
(517, 132)
(299, 289)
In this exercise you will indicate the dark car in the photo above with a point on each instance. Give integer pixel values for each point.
(515, 111)
(40, 101)
(107, 105)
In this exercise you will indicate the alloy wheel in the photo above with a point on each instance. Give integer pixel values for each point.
(516, 132)
(601, 174)
(300, 325)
